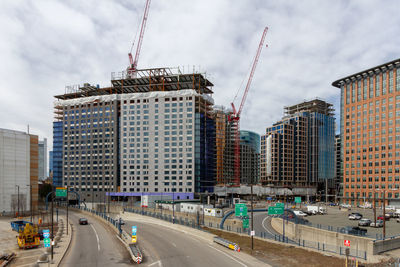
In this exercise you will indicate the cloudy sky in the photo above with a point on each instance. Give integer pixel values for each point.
(46, 45)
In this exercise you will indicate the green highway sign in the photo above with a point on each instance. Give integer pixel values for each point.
(61, 192)
(240, 210)
(297, 200)
(246, 223)
(279, 204)
(275, 210)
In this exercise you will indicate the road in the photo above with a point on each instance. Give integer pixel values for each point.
(94, 245)
(164, 247)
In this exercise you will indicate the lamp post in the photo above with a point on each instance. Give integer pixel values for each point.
(30, 197)
(252, 225)
(52, 221)
(173, 202)
(17, 200)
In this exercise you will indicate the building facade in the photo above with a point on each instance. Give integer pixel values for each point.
(338, 167)
(43, 159)
(299, 149)
(18, 172)
(249, 157)
(370, 134)
(150, 132)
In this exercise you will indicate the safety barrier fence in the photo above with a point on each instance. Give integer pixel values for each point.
(263, 234)
(226, 243)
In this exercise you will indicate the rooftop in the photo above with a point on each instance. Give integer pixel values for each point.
(368, 72)
(315, 105)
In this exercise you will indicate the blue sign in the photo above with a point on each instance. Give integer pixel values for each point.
(46, 233)
(269, 198)
(134, 229)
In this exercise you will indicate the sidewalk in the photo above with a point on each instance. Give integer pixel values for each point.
(29, 257)
(206, 237)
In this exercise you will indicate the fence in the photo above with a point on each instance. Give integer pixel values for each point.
(264, 235)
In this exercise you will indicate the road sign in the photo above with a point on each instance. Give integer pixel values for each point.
(252, 233)
(275, 210)
(61, 192)
(46, 242)
(240, 210)
(297, 200)
(134, 239)
(246, 223)
(46, 233)
(279, 204)
(347, 243)
(134, 230)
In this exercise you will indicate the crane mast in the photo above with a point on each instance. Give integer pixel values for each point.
(235, 117)
(133, 63)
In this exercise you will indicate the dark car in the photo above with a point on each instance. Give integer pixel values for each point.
(354, 230)
(83, 221)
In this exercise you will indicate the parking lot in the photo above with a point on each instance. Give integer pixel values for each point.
(339, 218)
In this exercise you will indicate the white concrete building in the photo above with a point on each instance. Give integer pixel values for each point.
(14, 171)
(43, 159)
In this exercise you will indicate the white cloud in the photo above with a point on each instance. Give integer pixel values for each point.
(46, 45)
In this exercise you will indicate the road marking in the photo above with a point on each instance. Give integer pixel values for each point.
(228, 256)
(98, 242)
(266, 229)
(159, 263)
(173, 244)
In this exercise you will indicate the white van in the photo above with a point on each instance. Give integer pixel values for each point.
(299, 213)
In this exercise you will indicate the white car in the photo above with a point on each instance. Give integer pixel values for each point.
(346, 206)
(379, 223)
(299, 213)
(355, 216)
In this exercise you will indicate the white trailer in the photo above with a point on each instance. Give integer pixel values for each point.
(316, 210)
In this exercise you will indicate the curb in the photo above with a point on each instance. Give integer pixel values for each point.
(71, 231)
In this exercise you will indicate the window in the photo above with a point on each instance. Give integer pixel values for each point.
(377, 85)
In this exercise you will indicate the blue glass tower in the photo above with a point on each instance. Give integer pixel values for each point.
(57, 152)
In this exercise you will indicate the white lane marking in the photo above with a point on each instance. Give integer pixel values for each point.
(159, 263)
(98, 242)
(173, 244)
(228, 256)
(266, 229)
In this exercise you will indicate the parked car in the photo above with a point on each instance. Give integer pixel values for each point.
(364, 222)
(379, 223)
(346, 206)
(387, 218)
(391, 215)
(355, 216)
(355, 230)
(390, 207)
(398, 220)
(83, 221)
(299, 213)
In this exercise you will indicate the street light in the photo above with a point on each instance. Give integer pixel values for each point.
(17, 199)
(30, 196)
(173, 202)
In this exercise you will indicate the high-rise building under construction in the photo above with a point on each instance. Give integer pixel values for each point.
(152, 131)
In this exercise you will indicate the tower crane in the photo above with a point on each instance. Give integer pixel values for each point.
(234, 118)
(133, 63)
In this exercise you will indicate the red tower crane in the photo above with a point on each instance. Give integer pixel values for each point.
(133, 63)
(235, 116)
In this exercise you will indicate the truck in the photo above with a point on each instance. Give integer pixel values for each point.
(316, 210)
(18, 226)
(29, 237)
(397, 213)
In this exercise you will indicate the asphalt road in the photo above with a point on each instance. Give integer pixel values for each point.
(94, 245)
(164, 247)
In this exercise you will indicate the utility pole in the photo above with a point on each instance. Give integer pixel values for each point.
(252, 225)
(173, 203)
(374, 208)
(284, 207)
(384, 215)
(52, 222)
(67, 209)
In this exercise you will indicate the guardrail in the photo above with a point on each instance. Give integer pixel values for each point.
(226, 243)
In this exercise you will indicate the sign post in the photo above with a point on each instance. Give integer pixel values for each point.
(134, 230)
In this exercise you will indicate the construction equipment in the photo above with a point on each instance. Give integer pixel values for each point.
(234, 118)
(133, 63)
(18, 226)
(28, 237)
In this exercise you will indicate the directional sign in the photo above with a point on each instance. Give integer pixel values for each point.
(240, 210)
(347, 243)
(46, 233)
(134, 230)
(297, 200)
(46, 242)
(61, 192)
(275, 210)
(279, 204)
(134, 239)
(246, 223)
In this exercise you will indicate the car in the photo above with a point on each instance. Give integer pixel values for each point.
(354, 230)
(299, 213)
(355, 216)
(387, 218)
(390, 207)
(83, 221)
(364, 222)
(398, 220)
(379, 223)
